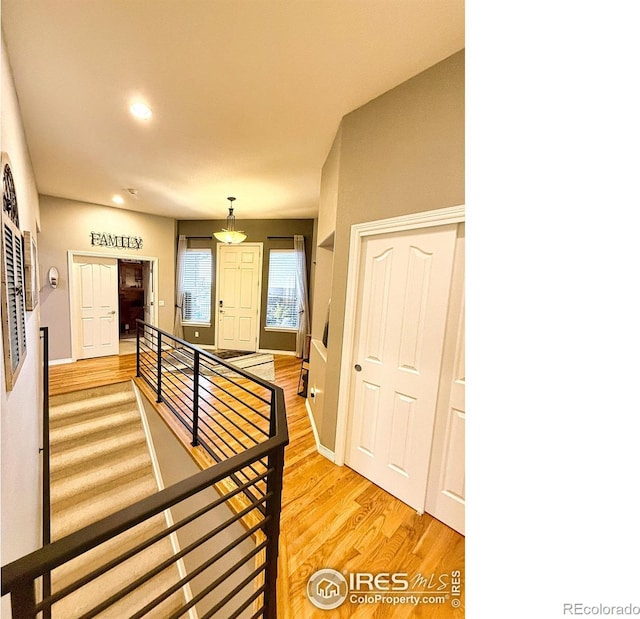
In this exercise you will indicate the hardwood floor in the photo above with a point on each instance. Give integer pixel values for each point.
(331, 516)
(91, 373)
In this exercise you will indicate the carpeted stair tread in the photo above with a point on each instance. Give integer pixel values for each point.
(100, 464)
(100, 589)
(66, 461)
(111, 582)
(91, 393)
(106, 473)
(83, 512)
(112, 548)
(114, 423)
(66, 413)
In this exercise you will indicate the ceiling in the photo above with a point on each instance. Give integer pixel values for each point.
(247, 95)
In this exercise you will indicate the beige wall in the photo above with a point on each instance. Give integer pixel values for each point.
(401, 153)
(21, 418)
(257, 231)
(66, 225)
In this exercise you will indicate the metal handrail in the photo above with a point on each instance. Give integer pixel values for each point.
(18, 577)
(46, 461)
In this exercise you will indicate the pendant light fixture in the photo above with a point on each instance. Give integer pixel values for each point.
(229, 234)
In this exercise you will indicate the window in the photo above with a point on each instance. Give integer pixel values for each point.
(283, 310)
(196, 306)
(13, 284)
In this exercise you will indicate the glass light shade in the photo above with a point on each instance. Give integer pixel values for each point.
(230, 236)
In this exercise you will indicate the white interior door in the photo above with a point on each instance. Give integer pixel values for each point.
(238, 296)
(405, 280)
(96, 304)
(446, 487)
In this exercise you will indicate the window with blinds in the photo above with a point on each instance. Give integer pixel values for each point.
(196, 306)
(13, 305)
(283, 310)
(13, 283)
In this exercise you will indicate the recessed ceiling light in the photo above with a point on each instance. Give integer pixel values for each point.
(140, 110)
(118, 199)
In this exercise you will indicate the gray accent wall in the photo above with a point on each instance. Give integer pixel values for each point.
(401, 153)
(257, 231)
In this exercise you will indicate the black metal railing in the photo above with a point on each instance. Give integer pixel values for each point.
(46, 460)
(226, 411)
(217, 550)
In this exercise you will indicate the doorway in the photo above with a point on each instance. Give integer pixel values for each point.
(135, 299)
(238, 287)
(396, 316)
(107, 293)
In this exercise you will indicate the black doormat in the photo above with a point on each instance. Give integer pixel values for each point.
(230, 354)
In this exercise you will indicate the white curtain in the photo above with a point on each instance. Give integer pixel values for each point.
(302, 294)
(180, 266)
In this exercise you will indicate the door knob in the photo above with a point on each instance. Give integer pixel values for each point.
(357, 367)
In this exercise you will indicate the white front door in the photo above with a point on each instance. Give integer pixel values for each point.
(403, 294)
(446, 487)
(238, 296)
(96, 305)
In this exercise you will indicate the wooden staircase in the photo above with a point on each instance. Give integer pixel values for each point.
(100, 463)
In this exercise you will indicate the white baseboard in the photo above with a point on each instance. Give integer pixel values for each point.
(322, 450)
(60, 361)
(327, 453)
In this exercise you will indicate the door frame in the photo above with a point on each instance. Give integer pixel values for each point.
(73, 313)
(427, 219)
(214, 310)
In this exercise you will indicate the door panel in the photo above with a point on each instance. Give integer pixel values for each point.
(405, 279)
(239, 272)
(446, 487)
(370, 398)
(412, 316)
(403, 416)
(96, 302)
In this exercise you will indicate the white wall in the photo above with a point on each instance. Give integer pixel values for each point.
(21, 419)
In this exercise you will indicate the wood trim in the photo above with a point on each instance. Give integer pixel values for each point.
(427, 219)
